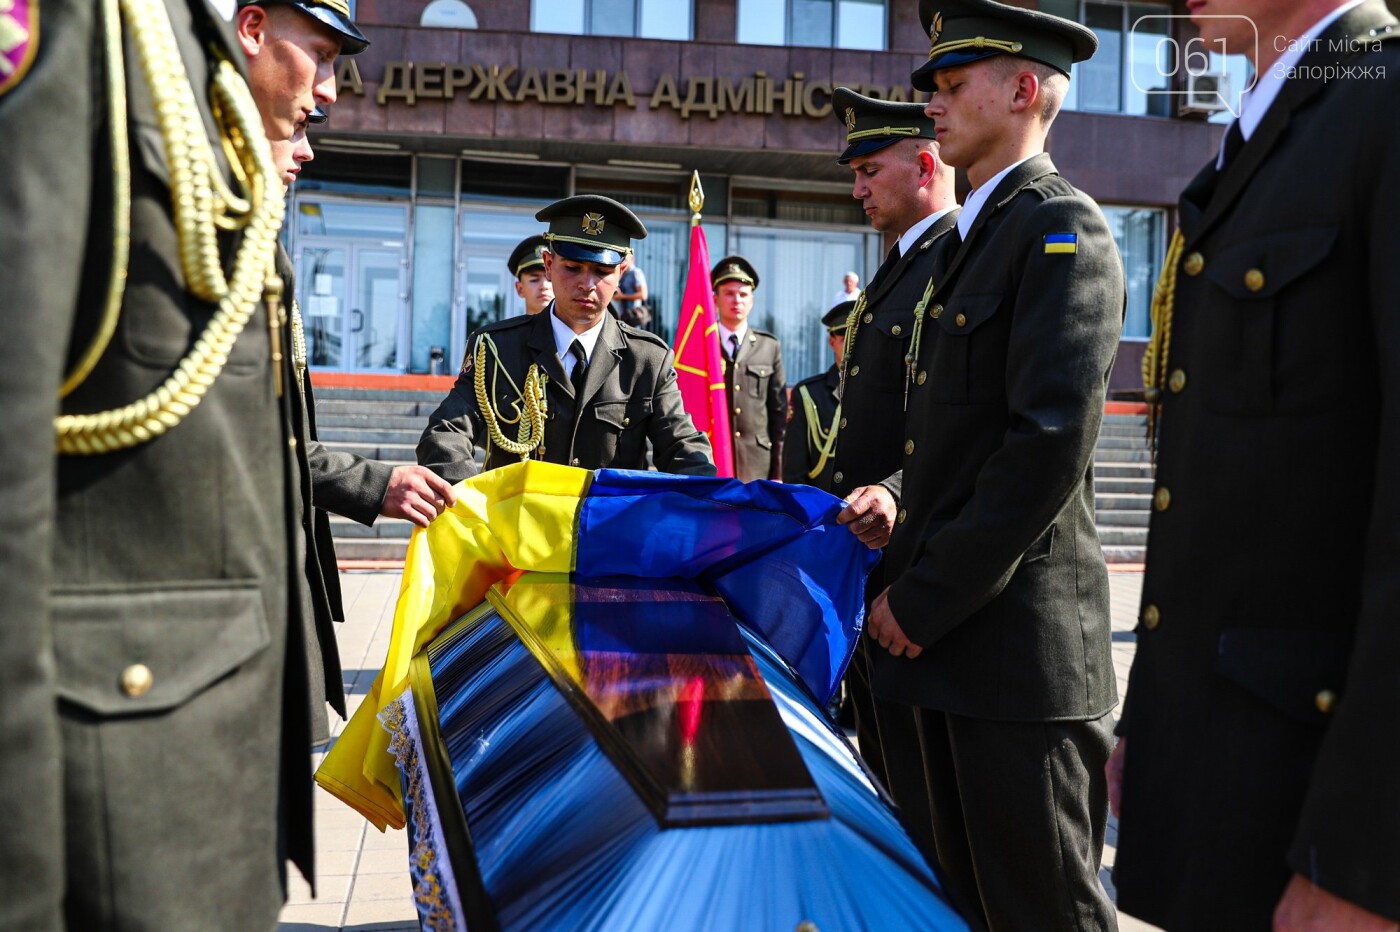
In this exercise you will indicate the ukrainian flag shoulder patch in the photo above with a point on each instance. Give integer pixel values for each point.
(1061, 243)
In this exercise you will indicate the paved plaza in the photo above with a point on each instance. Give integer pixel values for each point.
(362, 880)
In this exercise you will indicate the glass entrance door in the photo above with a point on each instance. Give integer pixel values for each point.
(351, 263)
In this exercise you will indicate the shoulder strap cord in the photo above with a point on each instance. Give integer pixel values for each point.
(200, 212)
(821, 441)
(536, 405)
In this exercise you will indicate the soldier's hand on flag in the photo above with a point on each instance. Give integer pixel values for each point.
(869, 513)
(417, 494)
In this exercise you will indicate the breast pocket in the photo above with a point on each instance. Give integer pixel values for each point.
(757, 378)
(1260, 280)
(622, 432)
(965, 364)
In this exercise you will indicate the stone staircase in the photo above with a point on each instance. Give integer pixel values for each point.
(385, 425)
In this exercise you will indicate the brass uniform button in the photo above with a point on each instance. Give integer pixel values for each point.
(627, 422)
(908, 447)
(837, 478)
(137, 680)
(1151, 617)
(1162, 498)
(1326, 700)
(843, 423)
(903, 513)
(936, 311)
(1177, 381)
(291, 443)
(923, 377)
(738, 410)
(896, 330)
(574, 461)
(1254, 279)
(961, 320)
(1194, 264)
(738, 434)
(855, 370)
(868, 317)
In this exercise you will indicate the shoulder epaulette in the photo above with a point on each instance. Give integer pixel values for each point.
(630, 332)
(519, 320)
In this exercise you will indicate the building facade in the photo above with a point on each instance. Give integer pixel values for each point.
(464, 118)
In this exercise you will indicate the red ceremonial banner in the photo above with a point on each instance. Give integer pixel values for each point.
(699, 365)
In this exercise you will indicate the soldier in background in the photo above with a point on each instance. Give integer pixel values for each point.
(280, 40)
(526, 263)
(753, 374)
(153, 713)
(907, 192)
(814, 412)
(571, 385)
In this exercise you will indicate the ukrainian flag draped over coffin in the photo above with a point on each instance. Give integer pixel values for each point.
(602, 708)
(773, 552)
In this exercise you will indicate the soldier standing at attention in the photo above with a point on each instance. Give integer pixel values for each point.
(526, 263)
(282, 39)
(813, 413)
(906, 190)
(995, 622)
(154, 719)
(571, 385)
(1259, 756)
(753, 374)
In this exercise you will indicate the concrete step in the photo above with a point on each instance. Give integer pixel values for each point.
(1112, 536)
(1127, 501)
(372, 421)
(1125, 419)
(394, 453)
(1120, 443)
(376, 436)
(1124, 554)
(1119, 455)
(1123, 518)
(371, 548)
(393, 408)
(384, 528)
(1122, 485)
(374, 394)
(1116, 469)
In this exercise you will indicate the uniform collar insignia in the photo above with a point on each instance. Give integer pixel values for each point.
(19, 40)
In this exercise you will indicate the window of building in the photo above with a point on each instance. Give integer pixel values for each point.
(642, 19)
(842, 24)
(1140, 233)
(1137, 60)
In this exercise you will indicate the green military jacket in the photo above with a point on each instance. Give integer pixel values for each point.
(809, 438)
(757, 391)
(629, 400)
(995, 565)
(868, 446)
(154, 723)
(1263, 709)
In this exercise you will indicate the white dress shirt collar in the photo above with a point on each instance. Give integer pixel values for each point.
(911, 235)
(725, 333)
(564, 338)
(976, 200)
(1255, 102)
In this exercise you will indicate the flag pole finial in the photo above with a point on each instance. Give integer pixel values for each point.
(697, 198)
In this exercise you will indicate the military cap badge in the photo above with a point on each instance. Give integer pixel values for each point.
(19, 40)
(593, 224)
(935, 28)
(850, 119)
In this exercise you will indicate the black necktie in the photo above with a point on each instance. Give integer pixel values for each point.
(731, 352)
(884, 268)
(1232, 143)
(580, 367)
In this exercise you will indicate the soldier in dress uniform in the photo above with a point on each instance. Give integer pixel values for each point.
(907, 192)
(995, 622)
(1260, 735)
(526, 263)
(155, 720)
(753, 374)
(572, 385)
(814, 410)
